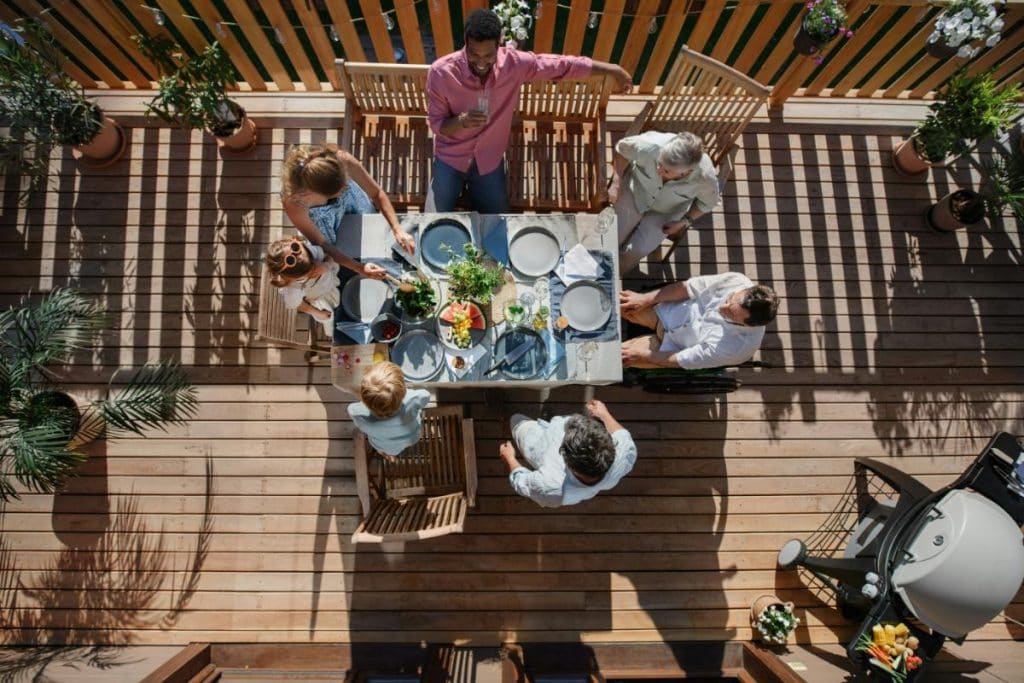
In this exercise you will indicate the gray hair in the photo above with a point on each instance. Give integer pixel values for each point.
(681, 152)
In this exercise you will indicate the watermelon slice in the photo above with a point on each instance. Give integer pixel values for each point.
(448, 314)
(476, 318)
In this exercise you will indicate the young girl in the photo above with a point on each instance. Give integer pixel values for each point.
(390, 416)
(308, 281)
(319, 186)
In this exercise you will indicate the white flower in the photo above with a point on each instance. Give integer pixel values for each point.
(992, 40)
(965, 14)
(521, 34)
(964, 51)
(952, 23)
(516, 22)
(997, 25)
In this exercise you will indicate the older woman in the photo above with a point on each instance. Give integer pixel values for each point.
(662, 183)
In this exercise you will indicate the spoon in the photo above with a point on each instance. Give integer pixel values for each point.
(404, 286)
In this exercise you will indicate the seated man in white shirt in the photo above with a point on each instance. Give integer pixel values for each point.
(573, 457)
(704, 322)
(662, 182)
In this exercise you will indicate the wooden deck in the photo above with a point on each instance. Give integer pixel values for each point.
(893, 342)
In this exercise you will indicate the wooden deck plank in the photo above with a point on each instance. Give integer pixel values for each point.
(893, 342)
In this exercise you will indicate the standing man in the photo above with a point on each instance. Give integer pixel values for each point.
(472, 95)
(573, 457)
(704, 322)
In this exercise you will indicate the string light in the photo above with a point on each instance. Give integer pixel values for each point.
(537, 13)
(279, 35)
(592, 20)
(220, 30)
(334, 34)
(158, 15)
(388, 21)
(654, 26)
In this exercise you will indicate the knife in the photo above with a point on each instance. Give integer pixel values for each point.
(513, 355)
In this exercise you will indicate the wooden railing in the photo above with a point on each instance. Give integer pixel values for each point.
(289, 45)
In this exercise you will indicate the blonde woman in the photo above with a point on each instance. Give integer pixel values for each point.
(319, 186)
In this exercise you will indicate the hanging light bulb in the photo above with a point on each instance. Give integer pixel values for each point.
(158, 16)
(279, 35)
(539, 10)
(334, 34)
(654, 25)
(388, 21)
(220, 30)
(592, 20)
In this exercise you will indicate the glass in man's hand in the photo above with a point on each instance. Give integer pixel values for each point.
(483, 102)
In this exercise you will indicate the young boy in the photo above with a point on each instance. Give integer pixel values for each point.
(573, 457)
(390, 416)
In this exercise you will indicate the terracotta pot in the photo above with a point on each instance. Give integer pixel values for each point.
(763, 602)
(807, 44)
(939, 50)
(242, 140)
(907, 161)
(955, 211)
(106, 148)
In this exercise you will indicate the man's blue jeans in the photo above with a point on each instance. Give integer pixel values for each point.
(487, 193)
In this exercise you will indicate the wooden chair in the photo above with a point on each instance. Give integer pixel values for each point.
(282, 326)
(710, 99)
(427, 490)
(386, 126)
(556, 155)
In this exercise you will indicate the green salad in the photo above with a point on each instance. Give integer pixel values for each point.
(419, 302)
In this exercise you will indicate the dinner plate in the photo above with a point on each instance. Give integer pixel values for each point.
(533, 362)
(534, 251)
(586, 305)
(444, 232)
(444, 329)
(419, 354)
(364, 298)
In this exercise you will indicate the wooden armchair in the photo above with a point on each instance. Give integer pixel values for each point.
(386, 126)
(710, 99)
(556, 155)
(427, 490)
(282, 326)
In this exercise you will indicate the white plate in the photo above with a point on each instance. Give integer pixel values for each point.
(419, 354)
(364, 298)
(534, 251)
(586, 305)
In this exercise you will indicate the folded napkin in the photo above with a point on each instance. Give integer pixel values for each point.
(496, 242)
(605, 279)
(577, 264)
(354, 332)
(471, 356)
(556, 352)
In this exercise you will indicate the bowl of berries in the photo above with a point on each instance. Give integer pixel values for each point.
(461, 325)
(385, 328)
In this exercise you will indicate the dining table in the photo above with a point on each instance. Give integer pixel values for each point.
(542, 256)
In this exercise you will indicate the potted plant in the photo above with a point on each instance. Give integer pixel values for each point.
(968, 108)
(963, 28)
(192, 93)
(516, 20)
(471, 279)
(956, 210)
(1004, 188)
(825, 19)
(44, 108)
(41, 424)
(773, 619)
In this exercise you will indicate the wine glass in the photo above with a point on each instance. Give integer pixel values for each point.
(528, 300)
(541, 288)
(584, 353)
(605, 220)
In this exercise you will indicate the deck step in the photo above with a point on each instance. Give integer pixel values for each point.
(241, 675)
(208, 674)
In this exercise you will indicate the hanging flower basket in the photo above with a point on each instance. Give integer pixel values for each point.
(825, 20)
(773, 619)
(516, 20)
(964, 28)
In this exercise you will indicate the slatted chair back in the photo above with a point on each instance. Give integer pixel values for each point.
(556, 156)
(427, 490)
(705, 97)
(282, 326)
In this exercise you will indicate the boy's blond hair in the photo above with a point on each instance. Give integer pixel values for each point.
(383, 389)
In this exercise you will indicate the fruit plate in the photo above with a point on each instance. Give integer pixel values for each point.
(446, 324)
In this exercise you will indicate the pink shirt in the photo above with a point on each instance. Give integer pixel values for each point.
(452, 88)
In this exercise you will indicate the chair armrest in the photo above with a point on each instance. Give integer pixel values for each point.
(469, 451)
(637, 126)
(362, 472)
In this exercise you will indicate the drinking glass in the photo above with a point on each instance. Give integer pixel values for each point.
(540, 288)
(584, 353)
(605, 220)
(483, 102)
(528, 301)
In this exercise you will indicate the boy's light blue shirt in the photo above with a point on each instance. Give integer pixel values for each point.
(394, 434)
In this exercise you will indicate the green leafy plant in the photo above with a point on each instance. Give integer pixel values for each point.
(39, 421)
(776, 622)
(42, 106)
(420, 302)
(470, 277)
(968, 108)
(1005, 186)
(192, 91)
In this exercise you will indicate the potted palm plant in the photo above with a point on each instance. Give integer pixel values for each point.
(1003, 189)
(968, 108)
(44, 108)
(192, 93)
(41, 424)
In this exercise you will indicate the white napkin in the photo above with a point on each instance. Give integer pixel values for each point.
(577, 264)
(471, 356)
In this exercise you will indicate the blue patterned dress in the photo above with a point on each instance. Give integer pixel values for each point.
(327, 217)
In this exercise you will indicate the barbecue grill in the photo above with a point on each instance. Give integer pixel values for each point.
(944, 562)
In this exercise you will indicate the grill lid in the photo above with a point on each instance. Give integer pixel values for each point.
(963, 566)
